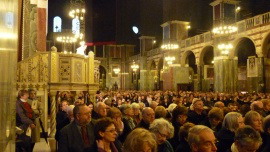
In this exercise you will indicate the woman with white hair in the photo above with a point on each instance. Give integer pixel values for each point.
(231, 123)
(162, 130)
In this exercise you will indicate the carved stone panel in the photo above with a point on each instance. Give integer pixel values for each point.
(65, 70)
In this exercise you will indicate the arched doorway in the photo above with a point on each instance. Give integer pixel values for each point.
(102, 77)
(207, 68)
(246, 54)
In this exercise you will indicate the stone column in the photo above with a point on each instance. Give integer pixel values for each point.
(144, 74)
(53, 113)
(41, 25)
(199, 77)
(91, 63)
(225, 74)
(261, 75)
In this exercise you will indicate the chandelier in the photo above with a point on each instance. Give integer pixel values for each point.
(77, 13)
(222, 30)
(116, 70)
(66, 39)
(134, 66)
(170, 46)
(169, 59)
(225, 48)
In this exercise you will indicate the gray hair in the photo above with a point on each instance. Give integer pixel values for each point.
(135, 105)
(124, 107)
(70, 109)
(161, 124)
(247, 136)
(231, 121)
(194, 134)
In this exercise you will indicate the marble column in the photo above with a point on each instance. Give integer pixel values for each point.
(53, 113)
(199, 77)
(41, 24)
(8, 61)
(225, 74)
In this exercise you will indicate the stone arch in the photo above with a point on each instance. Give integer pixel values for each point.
(238, 42)
(206, 55)
(189, 59)
(152, 65)
(244, 47)
(266, 46)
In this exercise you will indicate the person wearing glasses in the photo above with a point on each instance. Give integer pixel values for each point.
(78, 136)
(106, 134)
(162, 130)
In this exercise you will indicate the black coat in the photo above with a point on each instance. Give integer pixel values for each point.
(225, 138)
(70, 139)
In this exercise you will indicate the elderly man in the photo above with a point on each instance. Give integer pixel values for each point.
(163, 130)
(196, 116)
(100, 111)
(78, 136)
(202, 139)
(219, 104)
(148, 116)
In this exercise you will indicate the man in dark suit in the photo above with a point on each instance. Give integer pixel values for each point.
(78, 136)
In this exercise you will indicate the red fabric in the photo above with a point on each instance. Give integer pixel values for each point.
(85, 136)
(28, 109)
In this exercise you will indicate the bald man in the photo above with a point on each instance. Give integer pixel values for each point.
(148, 116)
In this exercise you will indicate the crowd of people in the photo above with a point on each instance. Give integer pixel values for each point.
(163, 121)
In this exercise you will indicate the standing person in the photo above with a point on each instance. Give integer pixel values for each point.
(24, 120)
(61, 116)
(37, 109)
(78, 136)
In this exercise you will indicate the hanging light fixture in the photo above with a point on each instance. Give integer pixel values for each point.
(134, 66)
(116, 70)
(169, 59)
(223, 30)
(225, 48)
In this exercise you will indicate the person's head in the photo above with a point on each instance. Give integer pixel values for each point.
(70, 112)
(101, 109)
(153, 105)
(148, 115)
(114, 113)
(32, 94)
(256, 106)
(247, 139)
(201, 139)
(254, 119)
(233, 121)
(127, 110)
(266, 124)
(105, 130)
(219, 104)
(23, 94)
(162, 129)
(160, 112)
(233, 106)
(91, 106)
(140, 140)
(136, 108)
(171, 107)
(183, 131)
(179, 115)
(215, 116)
(82, 114)
(197, 105)
(266, 104)
(64, 105)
